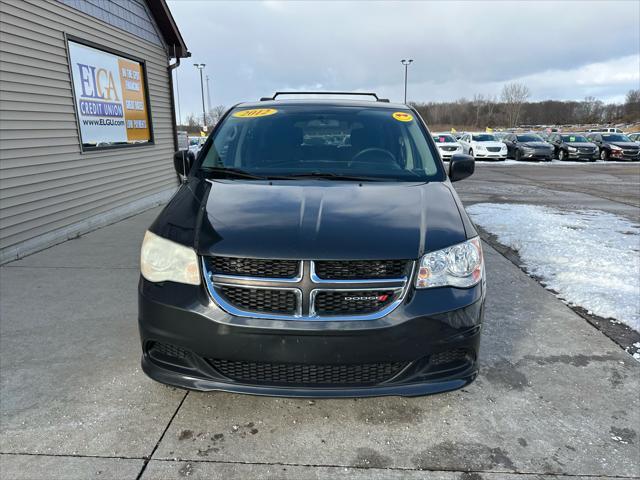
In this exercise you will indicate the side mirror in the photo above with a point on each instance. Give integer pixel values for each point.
(183, 161)
(461, 166)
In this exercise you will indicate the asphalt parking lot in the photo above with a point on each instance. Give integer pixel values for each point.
(555, 397)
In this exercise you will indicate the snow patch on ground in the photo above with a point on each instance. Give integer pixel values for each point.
(551, 163)
(590, 258)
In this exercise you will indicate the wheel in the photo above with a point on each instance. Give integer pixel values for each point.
(518, 155)
(562, 155)
(471, 153)
(604, 155)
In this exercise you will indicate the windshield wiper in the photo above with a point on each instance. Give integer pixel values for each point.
(330, 175)
(230, 172)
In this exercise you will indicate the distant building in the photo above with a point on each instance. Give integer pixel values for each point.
(87, 128)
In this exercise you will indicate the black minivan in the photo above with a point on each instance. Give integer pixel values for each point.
(316, 249)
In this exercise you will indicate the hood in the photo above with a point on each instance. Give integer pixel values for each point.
(489, 144)
(631, 145)
(535, 144)
(331, 220)
(580, 144)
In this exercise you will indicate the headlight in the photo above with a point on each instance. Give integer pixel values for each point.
(461, 265)
(163, 260)
(616, 148)
(572, 149)
(480, 147)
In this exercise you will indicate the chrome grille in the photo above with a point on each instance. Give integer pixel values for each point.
(360, 269)
(307, 374)
(493, 149)
(261, 299)
(254, 267)
(350, 302)
(335, 290)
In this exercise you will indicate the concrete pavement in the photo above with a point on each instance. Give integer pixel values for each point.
(555, 397)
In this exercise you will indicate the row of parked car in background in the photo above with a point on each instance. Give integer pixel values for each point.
(606, 144)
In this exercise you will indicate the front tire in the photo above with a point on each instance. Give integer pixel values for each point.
(604, 155)
(471, 153)
(561, 155)
(518, 155)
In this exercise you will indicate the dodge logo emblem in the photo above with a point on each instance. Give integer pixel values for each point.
(380, 298)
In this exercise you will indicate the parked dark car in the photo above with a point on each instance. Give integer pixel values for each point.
(316, 268)
(615, 146)
(528, 146)
(573, 146)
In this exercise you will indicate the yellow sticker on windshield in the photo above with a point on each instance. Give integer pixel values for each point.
(256, 112)
(402, 116)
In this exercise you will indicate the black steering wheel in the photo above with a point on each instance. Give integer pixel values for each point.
(387, 155)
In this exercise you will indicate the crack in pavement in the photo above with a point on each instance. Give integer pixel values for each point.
(399, 469)
(290, 464)
(155, 447)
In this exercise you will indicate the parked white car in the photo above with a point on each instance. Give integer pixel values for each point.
(195, 144)
(447, 145)
(483, 146)
(605, 130)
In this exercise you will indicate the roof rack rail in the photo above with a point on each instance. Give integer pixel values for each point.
(366, 94)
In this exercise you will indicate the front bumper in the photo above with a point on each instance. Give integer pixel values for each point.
(433, 337)
(446, 155)
(583, 155)
(490, 155)
(544, 155)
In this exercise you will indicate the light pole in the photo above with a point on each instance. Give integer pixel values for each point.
(200, 66)
(406, 63)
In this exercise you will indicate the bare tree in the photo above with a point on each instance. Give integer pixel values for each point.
(632, 105)
(192, 120)
(215, 114)
(490, 103)
(514, 95)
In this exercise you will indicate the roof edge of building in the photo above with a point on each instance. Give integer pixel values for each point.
(168, 27)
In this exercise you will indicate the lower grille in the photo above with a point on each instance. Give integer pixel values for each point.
(360, 269)
(261, 300)
(450, 356)
(307, 374)
(168, 350)
(342, 302)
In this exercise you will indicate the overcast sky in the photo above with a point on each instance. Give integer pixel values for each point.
(561, 50)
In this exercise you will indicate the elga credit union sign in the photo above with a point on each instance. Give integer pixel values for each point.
(110, 97)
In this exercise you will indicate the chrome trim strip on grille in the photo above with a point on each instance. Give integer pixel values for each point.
(296, 279)
(316, 279)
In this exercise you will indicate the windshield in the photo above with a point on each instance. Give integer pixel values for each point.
(352, 141)
(444, 139)
(615, 137)
(484, 137)
(530, 138)
(574, 138)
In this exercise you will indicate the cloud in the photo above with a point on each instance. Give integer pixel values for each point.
(460, 48)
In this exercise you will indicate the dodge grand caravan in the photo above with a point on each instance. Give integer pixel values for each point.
(316, 249)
